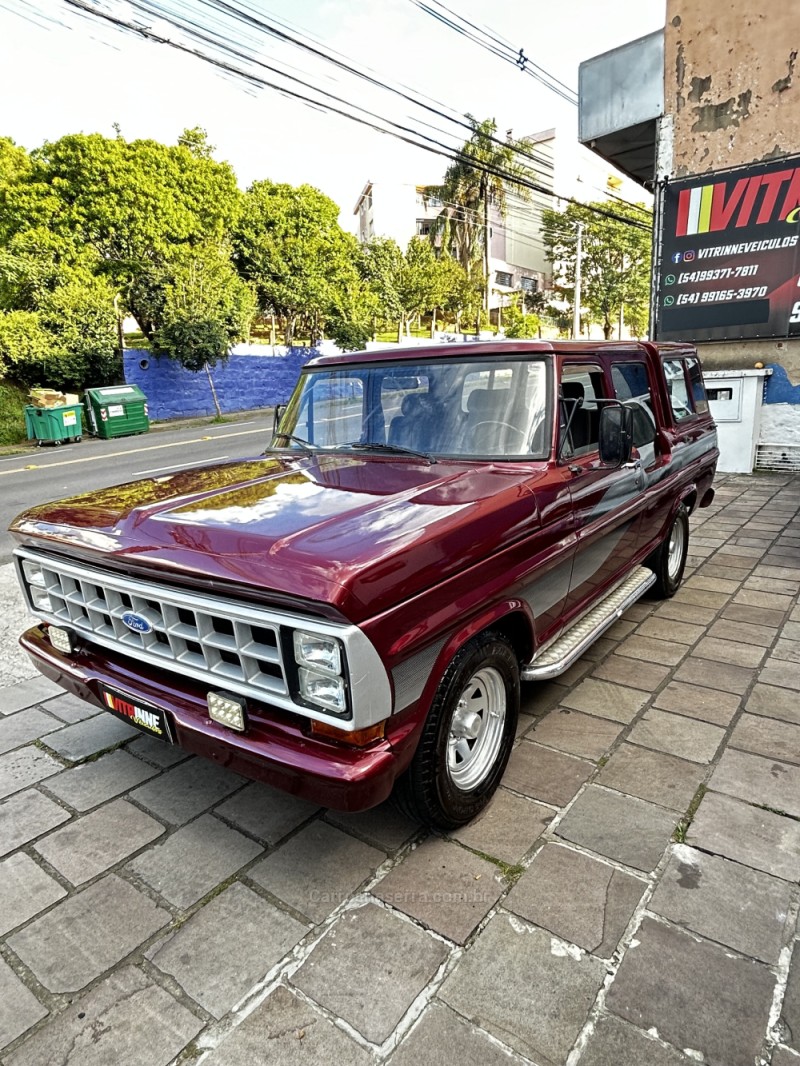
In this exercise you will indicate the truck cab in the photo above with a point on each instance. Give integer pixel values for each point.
(353, 612)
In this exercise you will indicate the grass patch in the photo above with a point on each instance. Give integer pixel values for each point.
(682, 828)
(13, 399)
(136, 339)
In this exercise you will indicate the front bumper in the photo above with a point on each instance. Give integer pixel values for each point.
(274, 750)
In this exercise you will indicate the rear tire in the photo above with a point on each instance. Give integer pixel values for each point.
(467, 737)
(669, 560)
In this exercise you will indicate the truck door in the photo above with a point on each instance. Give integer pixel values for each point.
(606, 503)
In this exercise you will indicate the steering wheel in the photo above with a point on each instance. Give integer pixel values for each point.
(503, 425)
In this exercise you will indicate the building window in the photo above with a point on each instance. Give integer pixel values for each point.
(502, 277)
(529, 284)
(424, 227)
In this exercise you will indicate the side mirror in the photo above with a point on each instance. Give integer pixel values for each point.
(616, 435)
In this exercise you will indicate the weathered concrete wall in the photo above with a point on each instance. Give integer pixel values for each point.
(741, 355)
(732, 82)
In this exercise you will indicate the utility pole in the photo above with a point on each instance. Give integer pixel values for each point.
(576, 311)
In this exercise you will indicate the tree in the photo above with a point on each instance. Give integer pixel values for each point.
(289, 245)
(518, 324)
(480, 176)
(381, 265)
(615, 261)
(418, 288)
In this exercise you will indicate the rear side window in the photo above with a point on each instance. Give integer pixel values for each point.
(698, 385)
(680, 401)
(632, 388)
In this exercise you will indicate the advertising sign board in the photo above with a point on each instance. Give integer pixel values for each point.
(730, 254)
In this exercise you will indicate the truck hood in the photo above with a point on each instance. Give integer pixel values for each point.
(357, 533)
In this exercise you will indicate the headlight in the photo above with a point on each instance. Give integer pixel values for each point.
(323, 690)
(317, 652)
(34, 574)
(41, 599)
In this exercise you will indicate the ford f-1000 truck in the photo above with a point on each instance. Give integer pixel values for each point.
(353, 611)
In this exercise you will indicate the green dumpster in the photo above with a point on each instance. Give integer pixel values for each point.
(117, 411)
(59, 425)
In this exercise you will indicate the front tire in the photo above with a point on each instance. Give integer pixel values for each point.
(669, 560)
(467, 738)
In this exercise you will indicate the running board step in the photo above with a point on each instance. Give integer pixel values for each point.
(560, 655)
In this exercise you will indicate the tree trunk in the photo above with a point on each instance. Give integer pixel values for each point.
(400, 326)
(433, 324)
(289, 335)
(213, 391)
(272, 335)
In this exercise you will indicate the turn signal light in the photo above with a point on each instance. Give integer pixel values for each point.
(357, 738)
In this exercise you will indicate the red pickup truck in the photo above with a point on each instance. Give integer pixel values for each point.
(354, 611)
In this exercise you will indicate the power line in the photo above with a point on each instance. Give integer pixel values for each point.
(369, 119)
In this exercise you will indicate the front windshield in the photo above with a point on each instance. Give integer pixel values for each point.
(448, 408)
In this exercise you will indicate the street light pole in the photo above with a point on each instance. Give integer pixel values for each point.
(576, 310)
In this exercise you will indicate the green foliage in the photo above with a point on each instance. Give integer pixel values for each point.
(289, 245)
(23, 342)
(518, 324)
(615, 263)
(12, 413)
(381, 265)
(203, 307)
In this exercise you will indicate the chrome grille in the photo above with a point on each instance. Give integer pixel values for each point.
(212, 639)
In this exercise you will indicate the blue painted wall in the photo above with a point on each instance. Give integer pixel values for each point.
(244, 382)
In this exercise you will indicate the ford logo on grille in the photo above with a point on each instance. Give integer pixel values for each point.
(136, 622)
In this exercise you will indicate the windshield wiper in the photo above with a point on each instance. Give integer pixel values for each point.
(306, 445)
(397, 449)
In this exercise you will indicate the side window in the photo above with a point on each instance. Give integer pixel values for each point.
(698, 385)
(632, 388)
(581, 387)
(679, 398)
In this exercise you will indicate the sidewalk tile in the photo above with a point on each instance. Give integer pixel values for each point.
(444, 886)
(194, 860)
(781, 673)
(787, 650)
(317, 869)
(84, 739)
(620, 827)
(442, 1037)
(653, 776)
(762, 616)
(772, 702)
(25, 890)
(605, 700)
(27, 693)
(769, 737)
(27, 816)
(19, 1008)
(24, 726)
(87, 933)
(687, 738)
(695, 701)
(614, 1043)
(384, 826)
(507, 828)
(758, 780)
(668, 629)
(264, 812)
(729, 651)
(741, 908)
(91, 783)
(525, 987)
(748, 597)
(749, 835)
(580, 899)
(155, 751)
(576, 733)
(722, 677)
(632, 673)
(90, 845)
(70, 709)
(686, 612)
(695, 994)
(652, 651)
(227, 947)
(125, 1020)
(183, 792)
(370, 968)
(544, 774)
(295, 1034)
(24, 767)
(745, 632)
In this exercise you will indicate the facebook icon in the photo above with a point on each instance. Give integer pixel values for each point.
(676, 258)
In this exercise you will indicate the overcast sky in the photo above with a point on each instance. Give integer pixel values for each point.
(85, 76)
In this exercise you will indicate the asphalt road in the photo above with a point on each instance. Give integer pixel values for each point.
(50, 473)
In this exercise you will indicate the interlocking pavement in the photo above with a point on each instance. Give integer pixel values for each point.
(630, 897)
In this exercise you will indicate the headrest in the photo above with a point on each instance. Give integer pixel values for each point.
(572, 390)
(478, 402)
(411, 405)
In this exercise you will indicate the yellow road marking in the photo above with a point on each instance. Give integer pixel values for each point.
(149, 448)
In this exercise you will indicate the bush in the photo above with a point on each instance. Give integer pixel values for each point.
(12, 413)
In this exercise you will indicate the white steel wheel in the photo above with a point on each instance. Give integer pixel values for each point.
(476, 729)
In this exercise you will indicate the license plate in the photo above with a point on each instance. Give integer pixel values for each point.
(144, 716)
